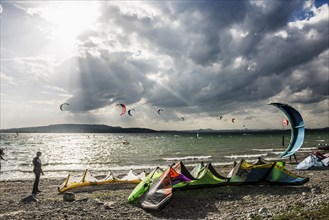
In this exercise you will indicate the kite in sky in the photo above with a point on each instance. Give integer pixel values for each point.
(160, 111)
(123, 108)
(285, 122)
(61, 106)
(297, 128)
(129, 111)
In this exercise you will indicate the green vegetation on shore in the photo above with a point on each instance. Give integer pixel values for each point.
(319, 212)
(100, 128)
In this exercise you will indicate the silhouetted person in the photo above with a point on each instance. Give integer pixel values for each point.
(37, 170)
(1, 158)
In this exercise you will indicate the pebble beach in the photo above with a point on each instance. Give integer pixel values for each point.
(110, 201)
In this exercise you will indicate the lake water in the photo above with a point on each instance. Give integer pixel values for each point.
(64, 154)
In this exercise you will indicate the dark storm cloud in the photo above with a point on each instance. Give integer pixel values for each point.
(205, 56)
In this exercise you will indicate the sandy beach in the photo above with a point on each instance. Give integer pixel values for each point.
(110, 201)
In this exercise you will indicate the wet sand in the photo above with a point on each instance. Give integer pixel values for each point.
(110, 201)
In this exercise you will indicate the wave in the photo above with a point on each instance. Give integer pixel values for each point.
(19, 174)
(16, 170)
(308, 148)
(277, 152)
(304, 151)
(187, 158)
(272, 158)
(222, 163)
(264, 150)
(76, 163)
(245, 156)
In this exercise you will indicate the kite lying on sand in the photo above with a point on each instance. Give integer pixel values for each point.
(87, 179)
(156, 190)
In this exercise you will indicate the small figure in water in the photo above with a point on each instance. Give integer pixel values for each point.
(1, 158)
(125, 142)
(37, 170)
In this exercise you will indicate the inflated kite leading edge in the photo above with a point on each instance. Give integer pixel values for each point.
(297, 128)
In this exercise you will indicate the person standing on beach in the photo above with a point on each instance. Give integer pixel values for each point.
(1, 158)
(37, 170)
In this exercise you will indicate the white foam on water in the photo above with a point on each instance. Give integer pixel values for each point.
(272, 158)
(276, 152)
(245, 156)
(222, 163)
(308, 148)
(187, 158)
(263, 150)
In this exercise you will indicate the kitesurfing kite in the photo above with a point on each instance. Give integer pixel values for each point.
(155, 191)
(297, 128)
(61, 106)
(123, 108)
(160, 111)
(129, 111)
(285, 122)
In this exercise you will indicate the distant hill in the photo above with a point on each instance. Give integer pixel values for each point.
(76, 128)
(95, 128)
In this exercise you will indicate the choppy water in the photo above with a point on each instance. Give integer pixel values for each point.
(73, 153)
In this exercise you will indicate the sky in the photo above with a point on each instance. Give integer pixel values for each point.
(194, 59)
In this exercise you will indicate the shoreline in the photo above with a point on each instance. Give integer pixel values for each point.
(110, 201)
(222, 168)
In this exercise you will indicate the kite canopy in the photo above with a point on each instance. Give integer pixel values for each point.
(160, 111)
(123, 108)
(129, 111)
(285, 122)
(156, 190)
(87, 179)
(61, 106)
(297, 128)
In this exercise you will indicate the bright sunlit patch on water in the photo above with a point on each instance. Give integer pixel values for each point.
(64, 154)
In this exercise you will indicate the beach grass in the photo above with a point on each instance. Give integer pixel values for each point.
(319, 212)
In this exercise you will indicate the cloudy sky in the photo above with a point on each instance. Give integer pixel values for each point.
(194, 59)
